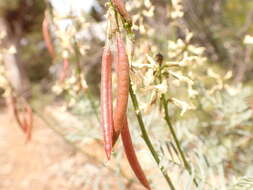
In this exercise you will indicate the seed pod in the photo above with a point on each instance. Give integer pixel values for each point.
(24, 119)
(47, 38)
(106, 100)
(29, 121)
(120, 6)
(122, 70)
(65, 69)
(131, 156)
(15, 111)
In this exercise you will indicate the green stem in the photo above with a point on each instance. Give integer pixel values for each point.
(167, 119)
(172, 131)
(146, 137)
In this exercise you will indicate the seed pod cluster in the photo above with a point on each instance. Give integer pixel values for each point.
(115, 125)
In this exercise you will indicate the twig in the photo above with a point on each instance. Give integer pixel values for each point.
(169, 124)
(167, 119)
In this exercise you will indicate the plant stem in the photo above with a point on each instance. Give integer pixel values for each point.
(167, 119)
(172, 131)
(146, 137)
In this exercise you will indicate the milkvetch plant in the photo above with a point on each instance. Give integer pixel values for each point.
(116, 125)
(157, 88)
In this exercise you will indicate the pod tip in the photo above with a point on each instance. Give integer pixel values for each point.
(108, 150)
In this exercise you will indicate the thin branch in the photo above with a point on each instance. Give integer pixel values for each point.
(146, 137)
(173, 133)
(168, 121)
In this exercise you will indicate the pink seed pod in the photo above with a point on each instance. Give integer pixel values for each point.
(106, 100)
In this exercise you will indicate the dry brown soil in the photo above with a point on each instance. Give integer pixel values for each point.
(49, 163)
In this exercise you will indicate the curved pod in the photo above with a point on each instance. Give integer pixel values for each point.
(131, 156)
(122, 69)
(47, 38)
(106, 100)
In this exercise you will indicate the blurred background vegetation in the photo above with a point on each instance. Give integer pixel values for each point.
(210, 39)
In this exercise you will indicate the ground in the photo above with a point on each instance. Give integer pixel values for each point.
(48, 162)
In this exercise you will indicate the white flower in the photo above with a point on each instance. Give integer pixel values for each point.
(2, 35)
(228, 75)
(57, 89)
(12, 50)
(212, 74)
(147, 3)
(196, 50)
(150, 12)
(192, 92)
(233, 90)
(184, 106)
(181, 77)
(162, 88)
(248, 39)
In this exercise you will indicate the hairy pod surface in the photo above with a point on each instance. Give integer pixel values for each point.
(122, 70)
(106, 100)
